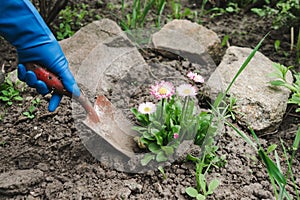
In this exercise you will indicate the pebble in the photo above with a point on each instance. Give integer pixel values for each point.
(124, 193)
(180, 171)
(133, 186)
(158, 188)
(43, 167)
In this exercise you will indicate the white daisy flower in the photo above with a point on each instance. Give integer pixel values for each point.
(147, 108)
(186, 90)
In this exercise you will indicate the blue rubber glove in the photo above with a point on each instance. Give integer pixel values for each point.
(23, 27)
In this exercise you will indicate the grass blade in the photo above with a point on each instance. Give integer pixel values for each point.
(244, 136)
(273, 170)
(221, 95)
(145, 11)
(246, 62)
(296, 140)
(161, 8)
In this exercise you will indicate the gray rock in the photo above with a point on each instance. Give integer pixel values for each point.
(19, 181)
(199, 33)
(99, 54)
(79, 46)
(259, 105)
(189, 40)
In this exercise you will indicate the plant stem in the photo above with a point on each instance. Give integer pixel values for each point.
(162, 111)
(184, 108)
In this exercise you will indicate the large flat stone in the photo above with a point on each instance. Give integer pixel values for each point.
(79, 46)
(188, 40)
(99, 54)
(258, 104)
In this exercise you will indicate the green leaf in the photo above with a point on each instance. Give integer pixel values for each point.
(26, 113)
(154, 148)
(272, 168)
(277, 45)
(146, 142)
(277, 83)
(192, 158)
(201, 181)
(176, 128)
(271, 148)
(134, 111)
(192, 192)
(154, 131)
(4, 98)
(212, 186)
(225, 40)
(229, 9)
(5, 92)
(147, 136)
(162, 171)
(260, 12)
(168, 150)
(200, 197)
(139, 128)
(294, 99)
(160, 157)
(147, 158)
(9, 82)
(18, 98)
(142, 118)
(296, 140)
(159, 139)
(31, 109)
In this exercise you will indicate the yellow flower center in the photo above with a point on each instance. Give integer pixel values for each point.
(147, 109)
(162, 90)
(187, 91)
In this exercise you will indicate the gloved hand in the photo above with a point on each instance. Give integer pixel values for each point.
(22, 26)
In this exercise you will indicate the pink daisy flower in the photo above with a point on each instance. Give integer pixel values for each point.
(176, 135)
(162, 90)
(191, 75)
(198, 79)
(185, 90)
(147, 108)
(195, 77)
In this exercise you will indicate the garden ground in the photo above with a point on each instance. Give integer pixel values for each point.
(49, 143)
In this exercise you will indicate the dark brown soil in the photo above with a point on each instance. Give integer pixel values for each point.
(62, 168)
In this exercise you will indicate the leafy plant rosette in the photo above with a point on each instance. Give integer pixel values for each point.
(173, 119)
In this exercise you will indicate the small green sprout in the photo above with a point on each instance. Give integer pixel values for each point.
(34, 104)
(9, 92)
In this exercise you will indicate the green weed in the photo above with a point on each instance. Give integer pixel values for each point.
(280, 74)
(277, 178)
(34, 104)
(72, 19)
(178, 12)
(277, 45)
(230, 8)
(137, 17)
(203, 165)
(9, 92)
(284, 12)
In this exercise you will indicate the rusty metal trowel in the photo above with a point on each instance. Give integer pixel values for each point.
(103, 118)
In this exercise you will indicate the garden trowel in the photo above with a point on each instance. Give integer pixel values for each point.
(103, 118)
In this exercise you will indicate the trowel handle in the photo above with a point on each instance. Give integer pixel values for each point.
(55, 85)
